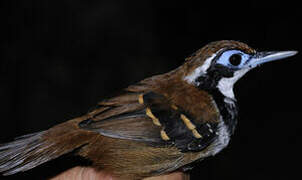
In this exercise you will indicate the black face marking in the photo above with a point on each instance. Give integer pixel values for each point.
(217, 71)
(214, 74)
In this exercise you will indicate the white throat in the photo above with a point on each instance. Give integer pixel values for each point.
(225, 85)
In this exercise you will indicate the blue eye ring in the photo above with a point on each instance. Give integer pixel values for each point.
(233, 59)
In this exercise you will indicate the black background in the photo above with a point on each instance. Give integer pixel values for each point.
(61, 57)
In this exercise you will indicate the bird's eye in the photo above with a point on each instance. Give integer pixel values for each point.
(235, 59)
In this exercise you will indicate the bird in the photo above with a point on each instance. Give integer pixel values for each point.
(161, 124)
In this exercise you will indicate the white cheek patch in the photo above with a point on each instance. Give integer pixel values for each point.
(225, 85)
(191, 78)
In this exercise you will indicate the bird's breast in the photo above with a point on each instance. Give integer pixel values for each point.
(222, 140)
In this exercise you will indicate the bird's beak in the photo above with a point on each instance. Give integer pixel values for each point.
(264, 57)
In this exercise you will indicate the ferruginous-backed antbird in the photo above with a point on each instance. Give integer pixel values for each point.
(159, 125)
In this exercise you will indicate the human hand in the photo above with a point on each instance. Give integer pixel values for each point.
(83, 173)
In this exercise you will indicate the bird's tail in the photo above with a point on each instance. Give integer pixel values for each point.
(31, 150)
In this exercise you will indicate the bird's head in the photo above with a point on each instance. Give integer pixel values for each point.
(218, 65)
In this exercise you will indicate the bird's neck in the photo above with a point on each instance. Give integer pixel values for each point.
(228, 109)
(172, 83)
(226, 103)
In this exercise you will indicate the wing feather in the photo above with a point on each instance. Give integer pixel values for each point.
(151, 118)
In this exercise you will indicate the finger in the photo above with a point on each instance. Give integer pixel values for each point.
(83, 173)
(172, 176)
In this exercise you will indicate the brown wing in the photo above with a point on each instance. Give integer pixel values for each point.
(133, 126)
(148, 117)
(125, 117)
